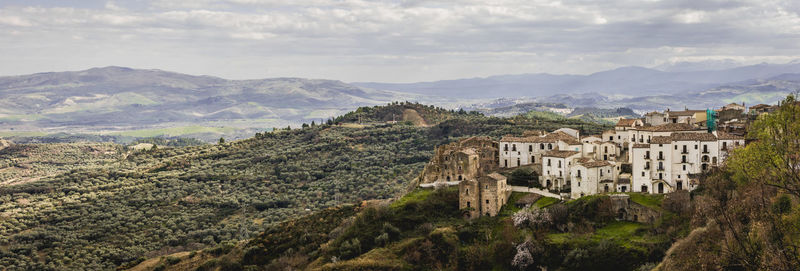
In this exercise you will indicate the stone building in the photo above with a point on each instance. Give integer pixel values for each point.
(628, 210)
(485, 195)
(466, 159)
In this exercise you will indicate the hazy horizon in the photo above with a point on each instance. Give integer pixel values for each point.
(391, 41)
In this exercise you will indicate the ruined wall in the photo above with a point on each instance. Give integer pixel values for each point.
(469, 198)
(467, 159)
(627, 210)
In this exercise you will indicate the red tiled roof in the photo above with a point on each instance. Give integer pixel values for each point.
(626, 122)
(693, 137)
(726, 136)
(560, 154)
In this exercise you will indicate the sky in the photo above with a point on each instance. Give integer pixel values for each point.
(391, 41)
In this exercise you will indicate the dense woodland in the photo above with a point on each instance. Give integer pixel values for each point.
(169, 199)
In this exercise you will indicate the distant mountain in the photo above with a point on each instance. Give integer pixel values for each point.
(750, 92)
(707, 65)
(628, 81)
(124, 98)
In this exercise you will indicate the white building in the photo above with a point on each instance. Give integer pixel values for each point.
(556, 168)
(589, 177)
(671, 163)
(525, 150)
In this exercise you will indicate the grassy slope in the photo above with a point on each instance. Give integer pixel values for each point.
(432, 235)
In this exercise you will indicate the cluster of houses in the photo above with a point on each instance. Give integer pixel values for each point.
(662, 152)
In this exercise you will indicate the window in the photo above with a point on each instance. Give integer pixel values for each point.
(610, 138)
(560, 174)
(505, 147)
(517, 161)
(533, 159)
(530, 148)
(487, 186)
(684, 167)
(642, 173)
(695, 147)
(559, 163)
(487, 201)
(541, 146)
(548, 163)
(601, 173)
(468, 205)
(724, 145)
(579, 174)
(579, 184)
(513, 147)
(466, 191)
(606, 149)
(549, 146)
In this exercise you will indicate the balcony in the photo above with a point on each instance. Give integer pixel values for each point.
(685, 152)
(660, 157)
(647, 167)
(705, 151)
(660, 169)
(647, 157)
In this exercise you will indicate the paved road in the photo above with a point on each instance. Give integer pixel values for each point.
(514, 188)
(429, 185)
(534, 190)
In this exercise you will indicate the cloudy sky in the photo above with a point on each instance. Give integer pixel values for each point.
(390, 41)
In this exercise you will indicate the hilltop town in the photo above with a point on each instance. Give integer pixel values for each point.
(660, 153)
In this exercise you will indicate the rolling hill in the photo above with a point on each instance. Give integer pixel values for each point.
(117, 98)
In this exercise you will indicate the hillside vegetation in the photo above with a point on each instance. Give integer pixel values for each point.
(424, 230)
(167, 200)
(742, 217)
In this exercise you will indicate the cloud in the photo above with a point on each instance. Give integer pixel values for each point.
(359, 40)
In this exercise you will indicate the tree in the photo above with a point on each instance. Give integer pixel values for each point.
(221, 140)
(774, 155)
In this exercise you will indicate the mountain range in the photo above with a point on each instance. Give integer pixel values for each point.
(136, 102)
(626, 81)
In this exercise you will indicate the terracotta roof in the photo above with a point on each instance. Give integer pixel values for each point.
(594, 163)
(685, 112)
(726, 136)
(626, 122)
(641, 145)
(606, 181)
(661, 140)
(533, 133)
(693, 137)
(560, 154)
(525, 139)
(668, 127)
(562, 136)
(759, 106)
